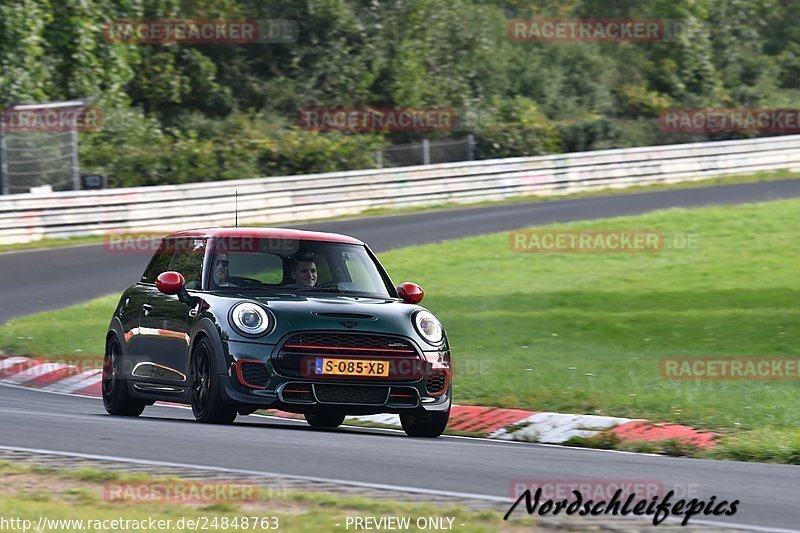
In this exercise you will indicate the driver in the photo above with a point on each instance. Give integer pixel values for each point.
(220, 270)
(304, 272)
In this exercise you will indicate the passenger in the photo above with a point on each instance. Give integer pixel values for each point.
(304, 272)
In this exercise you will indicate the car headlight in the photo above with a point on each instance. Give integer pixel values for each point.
(250, 319)
(428, 327)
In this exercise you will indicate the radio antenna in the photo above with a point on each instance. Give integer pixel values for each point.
(237, 207)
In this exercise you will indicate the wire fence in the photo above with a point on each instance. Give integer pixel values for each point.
(39, 161)
(427, 152)
(38, 149)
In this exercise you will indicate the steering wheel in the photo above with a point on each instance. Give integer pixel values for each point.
(244, 282)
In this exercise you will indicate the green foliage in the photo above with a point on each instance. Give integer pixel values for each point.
(302, 152)
(638, 101)
(137, 150)
(23, 74)
(586, 133)
(546, 97)
(519, 129)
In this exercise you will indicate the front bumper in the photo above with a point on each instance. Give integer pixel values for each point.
(280, 377)
(302, 396)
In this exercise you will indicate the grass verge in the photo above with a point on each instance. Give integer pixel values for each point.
(585, 333)
(29, 493)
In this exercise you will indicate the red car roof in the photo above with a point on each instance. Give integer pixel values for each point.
(267, 233)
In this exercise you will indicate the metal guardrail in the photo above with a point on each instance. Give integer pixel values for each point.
(29, 217)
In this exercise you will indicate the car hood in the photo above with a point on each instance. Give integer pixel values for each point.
(340, 312)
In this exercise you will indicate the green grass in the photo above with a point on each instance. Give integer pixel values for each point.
(60, 494)
(584, 333)
(75, 334)
(725, 180)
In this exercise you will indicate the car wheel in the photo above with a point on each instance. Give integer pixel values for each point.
(116, 398)
(207, 405)
(324, 419)
(425, 424)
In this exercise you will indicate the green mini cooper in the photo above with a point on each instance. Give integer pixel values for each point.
(231, 320)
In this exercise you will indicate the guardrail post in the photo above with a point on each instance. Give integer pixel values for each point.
(470, 147)
(379, 158)
(74, 169)
(426, 152)
(3, 164)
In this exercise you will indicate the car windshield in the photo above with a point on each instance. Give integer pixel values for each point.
(289, 265)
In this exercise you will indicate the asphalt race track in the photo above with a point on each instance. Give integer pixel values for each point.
(36, 280)
(34, 419)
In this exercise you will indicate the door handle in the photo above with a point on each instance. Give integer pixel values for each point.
(146, 308)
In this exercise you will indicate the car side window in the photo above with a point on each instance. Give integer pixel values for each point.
(188, 260)
(158, 264)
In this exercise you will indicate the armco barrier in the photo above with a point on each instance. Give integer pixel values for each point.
(29, 217)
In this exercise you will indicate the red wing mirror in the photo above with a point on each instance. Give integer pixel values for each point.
(170, 282)
(410, 292)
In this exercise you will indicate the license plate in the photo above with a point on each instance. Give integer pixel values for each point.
(351, 367)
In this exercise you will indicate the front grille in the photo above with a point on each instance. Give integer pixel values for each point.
(254, 374)
(297, 356)
(345, 342)
(436, 382)
(351, 394)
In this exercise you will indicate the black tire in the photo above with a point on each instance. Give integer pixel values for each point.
(207, 405)
(324, 419)
(425, 424)
(116, 398)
